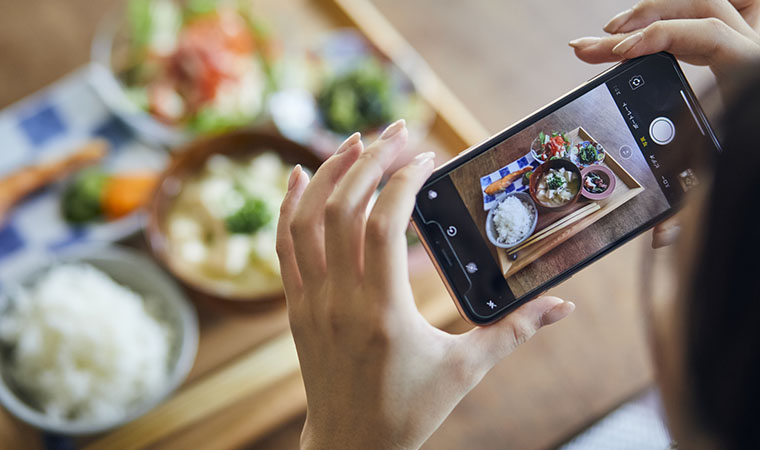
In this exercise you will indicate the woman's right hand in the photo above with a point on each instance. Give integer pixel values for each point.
(720, 34)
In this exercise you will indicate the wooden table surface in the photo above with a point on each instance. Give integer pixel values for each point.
(500, 58)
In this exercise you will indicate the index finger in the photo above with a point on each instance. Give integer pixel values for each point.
(647, 12)
(697, 41)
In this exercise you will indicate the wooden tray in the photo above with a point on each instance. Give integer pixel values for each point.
(246, 381)
(567, 224)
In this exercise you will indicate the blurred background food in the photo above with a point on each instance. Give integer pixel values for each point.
(221, 228)
(97, 195)
(175, 69)
(200, 64)
(359, 99)
(340, 83)
(15, 186)
(214, 218)
(91, 340)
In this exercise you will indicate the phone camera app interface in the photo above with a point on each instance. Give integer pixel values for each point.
(636, 82)
(571, 184)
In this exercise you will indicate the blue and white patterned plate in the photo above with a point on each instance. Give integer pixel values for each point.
(48, 125)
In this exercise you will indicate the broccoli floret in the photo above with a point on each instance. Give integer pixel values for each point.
(81, 199)
(253, 215)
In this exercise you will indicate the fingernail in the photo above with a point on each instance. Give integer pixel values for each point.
(628, 43)
(584, 42)
(393, 129)
(618, 21)
(294, 176)
(557, 312)
(423, 158)
(668, 236)
(348, 143)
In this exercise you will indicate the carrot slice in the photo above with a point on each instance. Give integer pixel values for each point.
(125, 193)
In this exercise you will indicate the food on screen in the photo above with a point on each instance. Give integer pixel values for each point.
(513, 220)
(550, 146)
(502, 184)
(557, 187)
(587, 153)
(594, 183)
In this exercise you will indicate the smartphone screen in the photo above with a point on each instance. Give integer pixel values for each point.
(519, 213)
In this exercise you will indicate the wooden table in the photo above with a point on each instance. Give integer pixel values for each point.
(499, 58)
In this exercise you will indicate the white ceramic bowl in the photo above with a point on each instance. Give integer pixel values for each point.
(142, 275)
(491, 230)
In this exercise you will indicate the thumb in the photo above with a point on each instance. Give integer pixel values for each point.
(491, 344)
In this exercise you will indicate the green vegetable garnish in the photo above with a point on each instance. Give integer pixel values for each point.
(140, 21)
(249, 219)
(209, 120)
(526, 177)
(195, 8)
(555, 182)
(81, 199)
(358, 100)
(588, 153)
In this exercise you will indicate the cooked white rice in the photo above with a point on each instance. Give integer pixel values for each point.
(84, 347)
(512, 220)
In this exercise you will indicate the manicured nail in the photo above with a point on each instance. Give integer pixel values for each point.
(618, 21)
(584, 42)
(294, 176)
(423, 158)
(348, 143)
(669, 235)
(557, 312)
(393, 129)
(628, 43)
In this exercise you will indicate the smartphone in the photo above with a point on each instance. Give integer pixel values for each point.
(513, 216)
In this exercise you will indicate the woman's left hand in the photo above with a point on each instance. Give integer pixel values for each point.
(377, 374)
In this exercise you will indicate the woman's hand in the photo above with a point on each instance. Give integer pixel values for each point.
(720, 34)
(377, 374)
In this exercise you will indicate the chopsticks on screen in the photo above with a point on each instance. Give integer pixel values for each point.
(551, 229)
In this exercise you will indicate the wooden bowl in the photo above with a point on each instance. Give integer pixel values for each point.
(541, 171)
(188, 161)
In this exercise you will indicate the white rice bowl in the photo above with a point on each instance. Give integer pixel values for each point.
(512, 220)
(91, 340)
(85, 347)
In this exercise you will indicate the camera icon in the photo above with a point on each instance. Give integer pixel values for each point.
(636, 82)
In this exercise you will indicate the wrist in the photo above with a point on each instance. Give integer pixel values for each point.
(331, 437)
